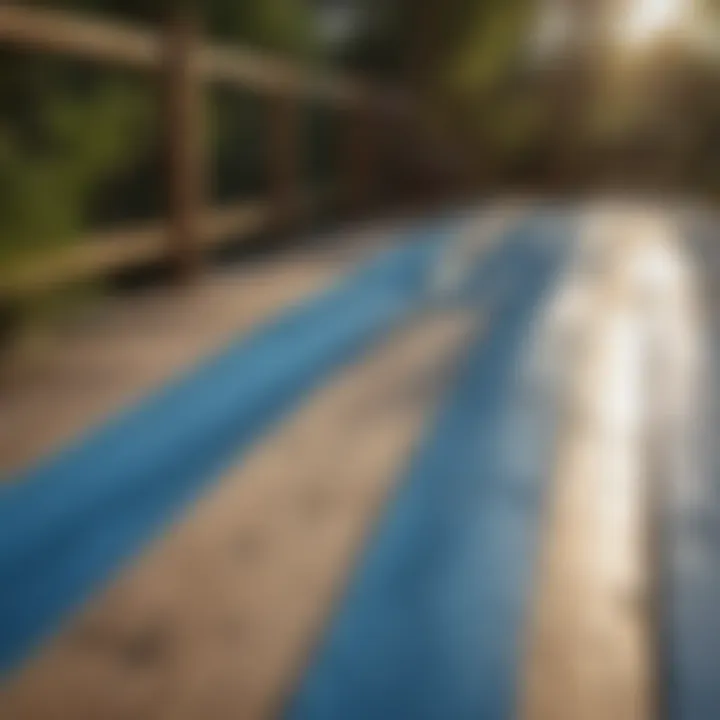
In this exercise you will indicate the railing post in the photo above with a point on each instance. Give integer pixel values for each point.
(184, 136)
(358, 159)
(284, 160)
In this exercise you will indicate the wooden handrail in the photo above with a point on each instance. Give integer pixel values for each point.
(185, 65)
(52, 31)
(135, 46)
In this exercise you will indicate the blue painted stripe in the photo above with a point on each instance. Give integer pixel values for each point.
(430, 626)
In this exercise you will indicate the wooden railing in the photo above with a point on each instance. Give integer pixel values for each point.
(186, 66)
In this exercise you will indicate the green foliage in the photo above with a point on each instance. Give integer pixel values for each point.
(487, 47)
(60, 135)
(462, 57)
(284, 26)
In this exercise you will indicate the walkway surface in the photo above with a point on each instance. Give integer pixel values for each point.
(457, 468)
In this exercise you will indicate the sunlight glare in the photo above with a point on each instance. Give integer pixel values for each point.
(646, 19)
